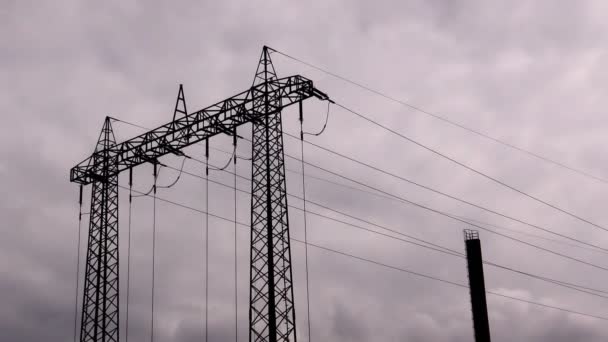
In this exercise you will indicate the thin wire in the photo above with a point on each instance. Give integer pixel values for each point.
(595, 248)
(305, 225)
(324, 125)
(375, 168)
(387, 197)
(77, 264)
(129, 123)
(428, 188)
(441, 248)
(456, 218)
(371, 261)
(429, 245)
(227, 163)
(129, 250)
(511, 218)
(207, 242)
(153, 185)
(153, 250)
(236, 307)
(178, 176)
(449, 282)
(497, 181)
(453, 123)
(439, 212)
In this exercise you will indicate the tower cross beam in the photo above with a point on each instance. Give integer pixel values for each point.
(221, 117)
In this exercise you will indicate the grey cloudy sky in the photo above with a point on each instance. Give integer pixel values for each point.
(531, 73)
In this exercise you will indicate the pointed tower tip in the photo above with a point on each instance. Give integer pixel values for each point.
(106, 136)
(180, 104)
(265, 70)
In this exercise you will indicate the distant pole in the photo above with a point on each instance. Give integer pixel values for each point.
(477, 286)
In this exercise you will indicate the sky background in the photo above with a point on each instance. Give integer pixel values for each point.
(530, 73)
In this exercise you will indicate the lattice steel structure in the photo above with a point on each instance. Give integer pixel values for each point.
(271, 312)
(100, 306)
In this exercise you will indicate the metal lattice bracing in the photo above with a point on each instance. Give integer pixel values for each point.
(272, 314)
(100, 299)
(271, 310)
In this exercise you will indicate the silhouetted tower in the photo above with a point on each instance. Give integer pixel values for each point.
(99, 321)
(271, 309)
(477, 286)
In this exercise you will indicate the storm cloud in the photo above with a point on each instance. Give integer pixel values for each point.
(533, 74)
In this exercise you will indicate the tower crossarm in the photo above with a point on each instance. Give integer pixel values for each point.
(221, 117)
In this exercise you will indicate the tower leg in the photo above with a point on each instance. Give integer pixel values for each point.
(271, 309)
(100, 303)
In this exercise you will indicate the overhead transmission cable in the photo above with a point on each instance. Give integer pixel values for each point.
(352, 256)
(304, 214)
(324, 125)
(153, 249)
(80, 188)
(206, 240)
(450, 122)
(493, 179)
(597, 248)
(380, 264)
(454, 217)
(129, 252)
(427, 244)
(380, 195)
(388, 173)
(236, 305)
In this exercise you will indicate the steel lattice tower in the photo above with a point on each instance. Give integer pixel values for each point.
(100, 299)
(271, 310)
(271, 307)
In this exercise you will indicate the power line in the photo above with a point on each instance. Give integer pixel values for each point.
(304, 212)
(438, 247)
(206, 240)
(153, 252)
(497, 181)
(533, 235)
(429, 245)
(449, 282)
(324, 125)
(381, 264)
(439, 212)
(77, 263)
(453, 123)
(594, 249)
(355, 160)
(442, 249)
(236, 311)
(129, 251)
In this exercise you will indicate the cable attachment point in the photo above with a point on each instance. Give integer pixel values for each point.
(130, 185)
(155, 176)
(80, 203)
(234, 142)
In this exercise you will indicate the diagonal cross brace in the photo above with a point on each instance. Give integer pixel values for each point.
(221, 117)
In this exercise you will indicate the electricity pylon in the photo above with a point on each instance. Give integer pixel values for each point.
(271, 309)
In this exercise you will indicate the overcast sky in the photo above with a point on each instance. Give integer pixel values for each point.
(533, 74)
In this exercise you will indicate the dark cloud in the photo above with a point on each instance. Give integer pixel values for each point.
(529, 73)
